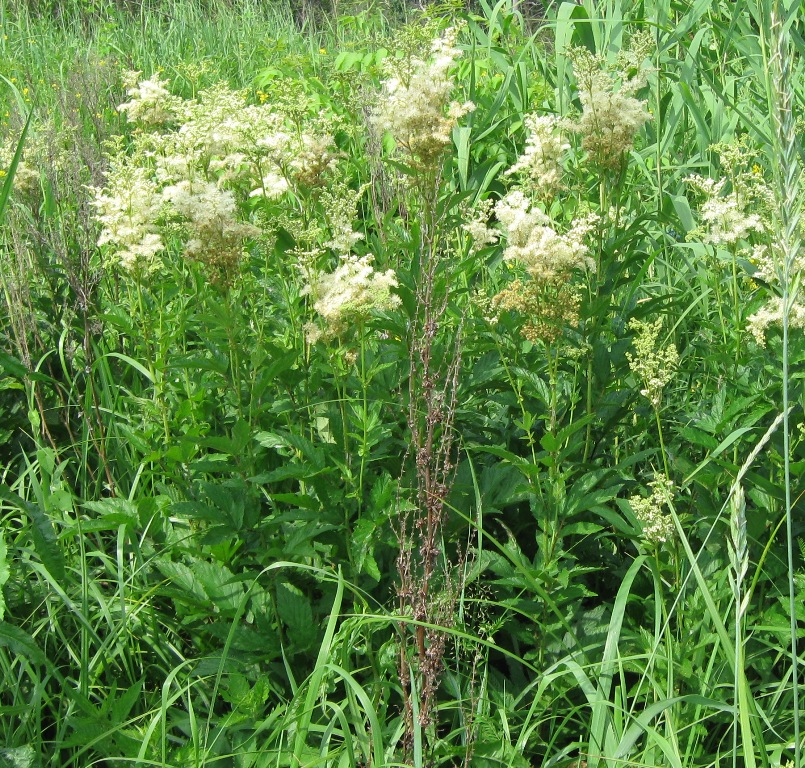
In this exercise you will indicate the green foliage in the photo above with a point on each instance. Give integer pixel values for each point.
(399, 457)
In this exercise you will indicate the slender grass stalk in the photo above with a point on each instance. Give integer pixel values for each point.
(777, 16)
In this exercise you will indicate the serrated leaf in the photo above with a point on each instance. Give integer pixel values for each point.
(217, 581)
(184, 578)
(42, 533)
(363, 536)
(294, 609)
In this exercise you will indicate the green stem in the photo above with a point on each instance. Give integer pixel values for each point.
(364, 417)
(662, 442)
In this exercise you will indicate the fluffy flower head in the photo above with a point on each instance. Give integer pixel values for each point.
(150, 102)
(416, 110)
(533, 242)
(128, 209)
(348, 295)
(540, 164)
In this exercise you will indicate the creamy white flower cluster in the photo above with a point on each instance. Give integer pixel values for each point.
(347, 295)
(724, 217)
(654, 366)
(772, 314)
(533, 242)
(417, 110)
(128, 210)
(26, 177)
(540, 165)
(658, 527)
(477, 226)
(212, 218)
(611, 115)
(150, 103)
(768, 270)
(203, 156)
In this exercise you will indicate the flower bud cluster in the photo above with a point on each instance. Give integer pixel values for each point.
(654, 366)
(658, 527)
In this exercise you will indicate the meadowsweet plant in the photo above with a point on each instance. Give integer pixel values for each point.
(150, 102)
(725, 216)
(345, 298)
(657, 525)
(532, 241)
(539, 168)
(128, 210)
(195, 169)
(611, 114)
(216, 236)
(268, 479)
(477, 225)
(653, 365)
(415, 106)
(548, 299)
(768, 261)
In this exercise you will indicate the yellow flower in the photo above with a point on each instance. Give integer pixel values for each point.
(322, 51)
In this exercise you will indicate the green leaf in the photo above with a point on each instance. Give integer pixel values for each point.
(363, 538)
(42, 533)
(18, 757)
(294, 609)
(4, 574)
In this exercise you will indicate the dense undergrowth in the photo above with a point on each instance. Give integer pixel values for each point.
(412, 392)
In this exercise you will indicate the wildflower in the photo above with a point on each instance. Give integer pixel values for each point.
(348, 295)
(340, 205)
(478, 227)
(658, 527)
(724, 217)
(415, 107)
(533, 242)
(611, 116)
(128, 210)
(772, 314)
(151, 103)
(547, 306)
(210, 213)
(653, 366)
(540, 162)
(548, 299)
(272, 186)
(313, 158)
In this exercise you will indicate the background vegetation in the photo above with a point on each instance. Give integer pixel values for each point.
(523, 490)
